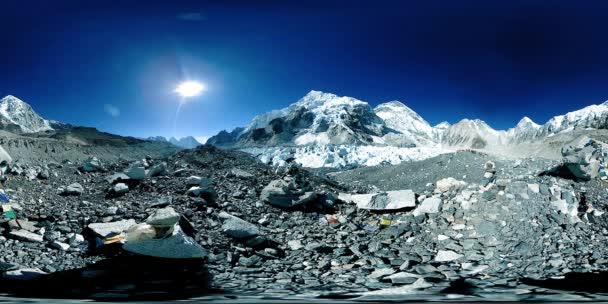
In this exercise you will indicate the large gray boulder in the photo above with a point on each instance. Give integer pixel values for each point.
(280, 193)
(582, 157)
(92, 164)
(236, 227)
(176, 246)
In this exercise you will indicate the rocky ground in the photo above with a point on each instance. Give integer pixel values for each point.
(471, 220)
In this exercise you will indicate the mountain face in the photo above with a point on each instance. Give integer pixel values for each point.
(317, 118)
(16, 113)
(406, 122)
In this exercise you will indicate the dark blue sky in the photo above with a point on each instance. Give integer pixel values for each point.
(445, 59)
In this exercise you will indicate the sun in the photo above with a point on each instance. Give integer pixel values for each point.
(189, 88)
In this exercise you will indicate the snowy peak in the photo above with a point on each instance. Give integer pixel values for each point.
(527, 123)
(591, 117)
(401, 118)
(18, 112)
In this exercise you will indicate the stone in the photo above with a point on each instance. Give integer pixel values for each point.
(176, 246)
(429, 205)
(117, 178)
(159, 169)
(295, 244)
(120, 188)
(107, 229)
(447, 184)
(279, 193)
(72, 189)
(402, 278)
(165, 217)
(92, 164)
(240, 173)
(136, 171)
(24, 235)
(60, 245)
(379, 273)
(534, 188)
(23, 274)
(194, 180)
(447, 256)
(238, 228)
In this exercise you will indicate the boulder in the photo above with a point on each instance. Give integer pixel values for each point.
(120, 188)
(92, 164)
(390, 200)
(26, 236)
(280, 193)
(159, 169)
(447, 256)
(117, 178)
(136, 171)
(177, 246)
(582, 157)
(240, 173)
(447, 184)
(165, 217)
(72, 189)
(23, 274)
(238, 228)
(428, 205)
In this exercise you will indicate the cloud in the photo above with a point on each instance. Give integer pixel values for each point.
(111, 110)
(201, 139)
(191, 17)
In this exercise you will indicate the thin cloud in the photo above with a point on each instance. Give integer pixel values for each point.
(111, 110)
(191, 17)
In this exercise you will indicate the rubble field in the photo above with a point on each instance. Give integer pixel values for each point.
(215, 222)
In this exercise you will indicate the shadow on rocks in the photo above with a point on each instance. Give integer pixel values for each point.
(581, 282)
(123, 278)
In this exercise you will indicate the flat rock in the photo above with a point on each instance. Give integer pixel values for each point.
(236, 227)
(447, 256)
(26, 236)
(165, 217)
(106, 229)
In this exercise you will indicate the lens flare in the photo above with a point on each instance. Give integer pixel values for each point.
(189, 89)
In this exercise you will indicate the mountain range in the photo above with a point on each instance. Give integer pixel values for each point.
(327, 119)
(186, 142)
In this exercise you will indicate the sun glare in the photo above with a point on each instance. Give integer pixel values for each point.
(189, 89)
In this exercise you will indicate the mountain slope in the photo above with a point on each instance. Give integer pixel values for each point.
(399, 117)
(317, 118)
(17, 112)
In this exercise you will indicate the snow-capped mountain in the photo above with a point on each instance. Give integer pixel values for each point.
(591, 117)
(187, 142)
(326, 130)
(525, 130)
(408, 123)
(17, 112)
(474, 133)
(318, 118)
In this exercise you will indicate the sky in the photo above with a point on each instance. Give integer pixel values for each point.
(114, 65)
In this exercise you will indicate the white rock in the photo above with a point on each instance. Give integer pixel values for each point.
(446, 184)
(136, 171)
(535, 188)
(106, 229)
(442, 237)
(194, 180)
(429, 205)
(120, 188)
(23, 274)
(165, 217)
(24, 235)
(60, 245)
(295, 244)
(390, 200)
(447, 256)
